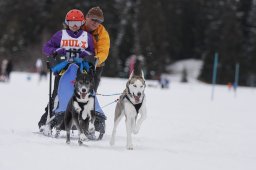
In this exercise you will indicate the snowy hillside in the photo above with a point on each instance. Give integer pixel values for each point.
(184, 130)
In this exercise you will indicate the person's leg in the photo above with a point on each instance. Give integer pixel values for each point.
(97, 77)
(100, 118)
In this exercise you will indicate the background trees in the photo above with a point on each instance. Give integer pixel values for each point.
(162, 31)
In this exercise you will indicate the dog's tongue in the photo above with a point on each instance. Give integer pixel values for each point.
(137, 98)
(83, 95)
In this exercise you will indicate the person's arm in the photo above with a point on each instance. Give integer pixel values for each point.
(53, 44)
(102, 46)
(90, 47)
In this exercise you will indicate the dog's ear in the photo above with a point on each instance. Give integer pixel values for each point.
(131, 75)
(78, 73)
(142, 75)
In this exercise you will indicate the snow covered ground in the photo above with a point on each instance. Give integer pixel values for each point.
(184, 130)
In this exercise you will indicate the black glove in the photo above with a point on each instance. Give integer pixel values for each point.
(87, 56)
(90, 59)
(60, 51)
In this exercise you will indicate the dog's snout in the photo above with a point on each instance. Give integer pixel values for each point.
(139, 94)
(83, 90)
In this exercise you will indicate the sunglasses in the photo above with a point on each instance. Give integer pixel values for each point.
(73, 23)
(96, 20)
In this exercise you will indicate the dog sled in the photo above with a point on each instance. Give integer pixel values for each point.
(67, 68)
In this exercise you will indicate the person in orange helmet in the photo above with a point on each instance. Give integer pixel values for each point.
(72, 37)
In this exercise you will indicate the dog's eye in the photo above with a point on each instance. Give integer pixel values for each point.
(141, 86)
(134, 85)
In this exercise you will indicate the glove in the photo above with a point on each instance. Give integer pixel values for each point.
(85, 53)
(59, 51)
(90, 59)
(87, 56)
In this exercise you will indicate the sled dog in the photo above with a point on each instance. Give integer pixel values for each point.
(131, 104)
(80, 108)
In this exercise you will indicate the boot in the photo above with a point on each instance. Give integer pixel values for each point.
(57, 121)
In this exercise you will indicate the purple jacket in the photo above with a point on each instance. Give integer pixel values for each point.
(55, 42)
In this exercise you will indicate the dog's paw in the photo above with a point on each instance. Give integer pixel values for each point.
(129, 147)
(84, 115)
(91, 136)
(68, 142)
(57, 134)
(78, 110)
(77, 107)
(112, 142)
(80, 143)
(82, 137)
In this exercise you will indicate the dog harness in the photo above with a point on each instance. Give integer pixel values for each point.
(81, 105)
(137, 106)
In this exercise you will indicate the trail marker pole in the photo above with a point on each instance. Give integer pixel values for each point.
(214, 76)
(236, 78)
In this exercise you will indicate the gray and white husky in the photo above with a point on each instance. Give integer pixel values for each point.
(80, 107)
(131, 104)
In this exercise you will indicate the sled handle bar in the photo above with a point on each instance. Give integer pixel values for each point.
(75, 51)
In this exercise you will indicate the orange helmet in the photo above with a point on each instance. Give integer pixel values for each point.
(75, 15)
